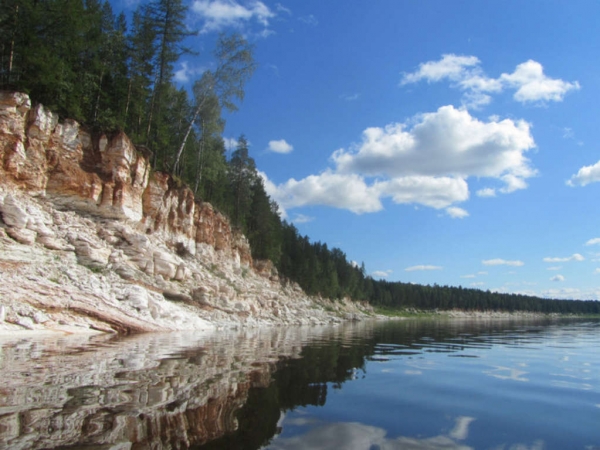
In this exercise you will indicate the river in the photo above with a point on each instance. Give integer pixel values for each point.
(410, 384)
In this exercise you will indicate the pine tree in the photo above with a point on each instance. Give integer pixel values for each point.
(168, 20)
(242, 176)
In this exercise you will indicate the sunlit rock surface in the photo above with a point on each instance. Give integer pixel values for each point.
(91, 238)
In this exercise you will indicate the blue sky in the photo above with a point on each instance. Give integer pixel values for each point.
(448, 142)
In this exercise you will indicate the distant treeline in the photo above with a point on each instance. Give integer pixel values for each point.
(324, 271)
(81, 60)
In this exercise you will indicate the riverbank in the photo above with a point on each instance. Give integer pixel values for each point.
(91, 238)
(412, 313)
(64, 288)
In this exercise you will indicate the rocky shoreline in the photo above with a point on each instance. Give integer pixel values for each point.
(92, 240)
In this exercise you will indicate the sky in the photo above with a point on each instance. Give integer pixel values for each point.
(439, 142)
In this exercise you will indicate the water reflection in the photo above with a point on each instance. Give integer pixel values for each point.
(357, 436)
(412, 384)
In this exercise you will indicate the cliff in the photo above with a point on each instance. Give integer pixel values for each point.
(92, 238)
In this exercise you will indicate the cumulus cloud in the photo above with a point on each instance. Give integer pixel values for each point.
(422, 267)
(554, 268)
(486, 192)
(557, 278)
(220, 14)
(427, 160)
(585, 176)
(533, 86)
(597, 270)
(435, 192)
(280, 146)
(468, 276)
(456, 212)
(528, 80)
(448, 142)
(594, 241)
(344, 191)
(502, 262)
(573, 257)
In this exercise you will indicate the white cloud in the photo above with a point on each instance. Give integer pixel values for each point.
(468, 276)
(425, 161)
(349, 97)
(573, 257)
(381, 273)
(280, 146)
(586, 175)
(327, 189)
(279, 7)
(564, 293)
(435, 192)
(219, 14)
(422, 267)
(453, 67)
(597, 270)
(185, 72)
(181, 75)
(594, 241)
(478, 283)
(446, 143)
(309, 20)
(501, 262)
(568, 133)
(533, 86)
(456, 212)
(482, 273)
(486, 192)
(554, 268)
(557, 278)
(230, 143)
(301, 218)
(528, 80)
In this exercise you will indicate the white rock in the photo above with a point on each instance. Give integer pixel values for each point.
(137, 297)
(13, 213)
(41, 123)
(90, 253)
(22, 235)
(165, 264)
(182, 273)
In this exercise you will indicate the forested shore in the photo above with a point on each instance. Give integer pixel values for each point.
(112, 74)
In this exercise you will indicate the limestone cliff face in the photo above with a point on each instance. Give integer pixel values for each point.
(105, 175)
(90, 237)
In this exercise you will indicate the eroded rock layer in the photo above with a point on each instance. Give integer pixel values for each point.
(91, 237)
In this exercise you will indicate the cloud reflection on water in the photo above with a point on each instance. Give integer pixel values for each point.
(355, 436)
(507, 373)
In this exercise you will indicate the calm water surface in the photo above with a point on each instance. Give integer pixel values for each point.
(414, 384)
